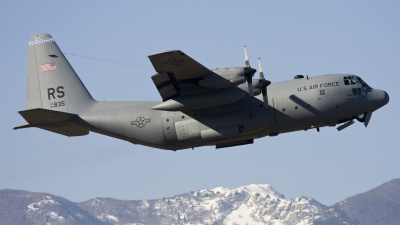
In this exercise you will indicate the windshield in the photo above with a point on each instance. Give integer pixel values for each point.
(350, 80)
(362, 82)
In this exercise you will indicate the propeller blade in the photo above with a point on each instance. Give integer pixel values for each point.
(265, 97)
(260, 69)
(249, 72)
(250, 83)
(369, 114)
(263, 85)
(246, 57)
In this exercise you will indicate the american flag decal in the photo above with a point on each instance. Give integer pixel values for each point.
(41, 41)
(48, 67)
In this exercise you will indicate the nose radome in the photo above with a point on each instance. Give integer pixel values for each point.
(378, 96)
(386, 98)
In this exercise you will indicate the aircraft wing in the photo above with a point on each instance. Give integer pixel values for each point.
(177, 74)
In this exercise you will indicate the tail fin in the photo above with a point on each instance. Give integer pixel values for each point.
(51, 81)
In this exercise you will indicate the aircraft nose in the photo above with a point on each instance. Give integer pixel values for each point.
(379, 97)
(386, 98)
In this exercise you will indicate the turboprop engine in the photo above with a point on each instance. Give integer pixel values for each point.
(226, 77)
(257, 86)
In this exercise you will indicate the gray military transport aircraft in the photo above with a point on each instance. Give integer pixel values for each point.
(201, 107)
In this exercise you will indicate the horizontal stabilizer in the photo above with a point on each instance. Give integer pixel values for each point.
(37, 116)
(58, 122)
(69, 130)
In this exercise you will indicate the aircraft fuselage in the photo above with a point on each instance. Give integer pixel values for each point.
(200, 107)
(297, 104)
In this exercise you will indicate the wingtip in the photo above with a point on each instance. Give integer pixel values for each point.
(166, 52)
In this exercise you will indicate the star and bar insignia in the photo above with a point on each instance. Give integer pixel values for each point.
(174, 62)
(140, 122)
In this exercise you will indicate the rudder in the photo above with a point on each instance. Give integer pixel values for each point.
(51, 81)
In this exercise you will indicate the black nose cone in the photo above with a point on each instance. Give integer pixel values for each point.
(249, 71)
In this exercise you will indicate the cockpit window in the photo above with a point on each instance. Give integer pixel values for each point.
(350, 80)
(362, 82)
(346, 81)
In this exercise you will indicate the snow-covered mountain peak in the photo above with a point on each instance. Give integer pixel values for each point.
(252, 189)
(220, 190)
(47, 200)
(263, 189)
(251, 204)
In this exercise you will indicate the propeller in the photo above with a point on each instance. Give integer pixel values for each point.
(263, 84)
(248, 72)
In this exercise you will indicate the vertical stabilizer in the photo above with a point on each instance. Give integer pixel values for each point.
(51, 81)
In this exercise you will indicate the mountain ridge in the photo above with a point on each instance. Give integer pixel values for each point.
(249, 204)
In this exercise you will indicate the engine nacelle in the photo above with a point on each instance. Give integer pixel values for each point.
(224, 78)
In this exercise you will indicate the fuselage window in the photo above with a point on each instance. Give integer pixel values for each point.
(357, 91)
(354, 91)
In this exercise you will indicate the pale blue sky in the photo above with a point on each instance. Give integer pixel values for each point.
(291, 37)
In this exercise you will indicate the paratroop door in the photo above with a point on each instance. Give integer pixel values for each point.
(169, 129)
